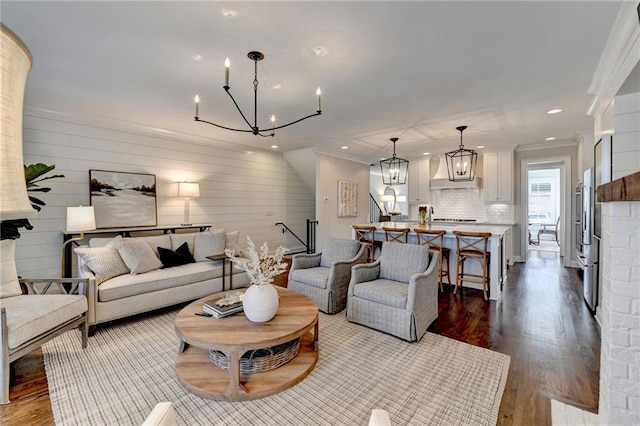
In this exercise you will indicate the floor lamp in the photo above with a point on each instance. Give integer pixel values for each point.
(79, 219)
(187, 190)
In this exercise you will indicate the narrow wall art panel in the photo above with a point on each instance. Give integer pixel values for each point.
(347, 198)
(122, 199)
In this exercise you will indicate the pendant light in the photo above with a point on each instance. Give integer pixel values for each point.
(461, 163)
(394, 169)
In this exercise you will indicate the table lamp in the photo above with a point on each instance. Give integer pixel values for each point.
(187, 190)
(79, 219)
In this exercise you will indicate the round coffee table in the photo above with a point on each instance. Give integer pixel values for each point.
(234, 335)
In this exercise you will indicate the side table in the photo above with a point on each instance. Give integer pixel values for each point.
(223, 257)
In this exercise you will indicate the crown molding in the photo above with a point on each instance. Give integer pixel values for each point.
(342, 157)
(546, 145)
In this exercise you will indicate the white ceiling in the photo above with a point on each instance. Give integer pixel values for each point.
(413, 70)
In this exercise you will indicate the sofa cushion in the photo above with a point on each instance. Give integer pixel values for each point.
(9, 285)
(156, 241)
(100, 242)
(316, 277)
(160, 279)
(338, 249)
(181, 256)
(178, 239)
(383, 292)
(29, 316)
(208, 244)
(138, 256)
(104, 262)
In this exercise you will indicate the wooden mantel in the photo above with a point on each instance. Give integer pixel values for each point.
(626, 188)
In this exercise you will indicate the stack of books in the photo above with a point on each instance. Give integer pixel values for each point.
(213, 307)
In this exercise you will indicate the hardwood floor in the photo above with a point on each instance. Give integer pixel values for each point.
(541, 321)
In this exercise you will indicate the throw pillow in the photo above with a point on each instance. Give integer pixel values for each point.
(154, 242)
(181, 256)
(104, 262)
(178, 239)
(231, 240)
(208, 244)
(9, 285)
(138, 256)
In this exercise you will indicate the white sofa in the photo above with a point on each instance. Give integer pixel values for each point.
(126, 275)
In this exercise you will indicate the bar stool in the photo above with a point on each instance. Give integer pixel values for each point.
(473, 245)
(398, 235)
(365, 235)
(435, 240)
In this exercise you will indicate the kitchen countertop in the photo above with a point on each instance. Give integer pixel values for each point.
(496, 230)
(414, 221)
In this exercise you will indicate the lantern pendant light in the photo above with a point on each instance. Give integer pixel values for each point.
(394, 169)
(461, 163)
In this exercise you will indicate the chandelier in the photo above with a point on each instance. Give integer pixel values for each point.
(255, 57)
(461, 163)
(394, 169)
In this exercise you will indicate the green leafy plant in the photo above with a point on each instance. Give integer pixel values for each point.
(33, 176)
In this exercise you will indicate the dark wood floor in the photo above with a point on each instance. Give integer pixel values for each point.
(541, 321)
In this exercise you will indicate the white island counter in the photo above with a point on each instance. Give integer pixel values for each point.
(497, 263)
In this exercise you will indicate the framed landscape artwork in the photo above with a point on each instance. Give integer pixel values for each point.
(122, 200)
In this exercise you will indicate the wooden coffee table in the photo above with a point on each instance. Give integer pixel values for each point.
(235, 335)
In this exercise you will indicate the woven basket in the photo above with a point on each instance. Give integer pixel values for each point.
(260, 360)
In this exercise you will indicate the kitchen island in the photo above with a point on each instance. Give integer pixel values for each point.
(498, 260)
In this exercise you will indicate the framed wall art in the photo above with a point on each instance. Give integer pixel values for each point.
(347, 198)
(122, 199)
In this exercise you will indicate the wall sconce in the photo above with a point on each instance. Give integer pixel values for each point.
(79, 219)
(186, 190)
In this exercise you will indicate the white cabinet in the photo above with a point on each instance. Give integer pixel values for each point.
(508, 243)
(418, 190)
(498, 176)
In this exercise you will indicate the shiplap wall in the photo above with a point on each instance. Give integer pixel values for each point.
(239, 190)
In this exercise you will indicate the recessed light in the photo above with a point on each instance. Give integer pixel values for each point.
(276, 86)
(480, 146)
(554, 111)
(320, 50)
(344, 147)
(230, 13)
(552, 138)
(197, 58)
(274, 146)
(426, 153)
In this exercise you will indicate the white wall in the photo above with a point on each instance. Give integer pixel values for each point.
(626, 140)
(330, 170)
(238, 189)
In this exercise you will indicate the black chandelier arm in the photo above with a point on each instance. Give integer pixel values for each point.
(297, 121)
(253, 128)
(223, 127)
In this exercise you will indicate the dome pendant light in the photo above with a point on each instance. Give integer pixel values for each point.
(394, 169)
(461, 163)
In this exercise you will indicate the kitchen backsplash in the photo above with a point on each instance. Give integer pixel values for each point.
(469, 204)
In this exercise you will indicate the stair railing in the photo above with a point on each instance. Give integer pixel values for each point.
(375, 212)
(310, 245)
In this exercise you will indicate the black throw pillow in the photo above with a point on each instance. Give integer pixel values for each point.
(181, 256)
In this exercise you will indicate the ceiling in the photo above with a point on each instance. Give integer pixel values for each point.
(412, 70)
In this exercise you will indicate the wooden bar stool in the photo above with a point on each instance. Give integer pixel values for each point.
(473, 245)
(365, 234)
(398, 235)
(435, 240)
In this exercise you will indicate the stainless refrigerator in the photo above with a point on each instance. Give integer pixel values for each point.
(589, 246)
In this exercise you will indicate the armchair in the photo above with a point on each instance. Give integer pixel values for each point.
(398, 293)
(27, 321)
(324, 276)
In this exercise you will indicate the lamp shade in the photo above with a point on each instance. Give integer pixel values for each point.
(80, 219)
(15, 63)
(186, 189)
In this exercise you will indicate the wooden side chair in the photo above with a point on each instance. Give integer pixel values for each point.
(435, 240)
(473, 246)
(396, 235)
(550, 229)
(365, 234)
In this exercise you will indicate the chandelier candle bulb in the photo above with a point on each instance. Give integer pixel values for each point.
(197, 101)
(227, 65)
(273, 122)
(319, 93)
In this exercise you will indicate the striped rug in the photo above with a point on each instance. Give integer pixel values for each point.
(129, 367)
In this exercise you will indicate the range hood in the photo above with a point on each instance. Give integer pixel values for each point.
(441, 179)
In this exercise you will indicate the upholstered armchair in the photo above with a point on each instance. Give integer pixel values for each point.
(324, 276)
(398, 293)
(27, 321)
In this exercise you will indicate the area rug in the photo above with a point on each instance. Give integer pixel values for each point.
(129, 367)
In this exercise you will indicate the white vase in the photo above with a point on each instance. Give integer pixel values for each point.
(260, 302)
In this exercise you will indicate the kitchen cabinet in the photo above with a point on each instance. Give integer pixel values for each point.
(418, 190)
(498, 176)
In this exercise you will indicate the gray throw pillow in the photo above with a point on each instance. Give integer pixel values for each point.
(138, 256)
(104, 262)
(208, 244)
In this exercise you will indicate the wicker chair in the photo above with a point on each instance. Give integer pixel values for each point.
(325, 276)
(398, 293)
